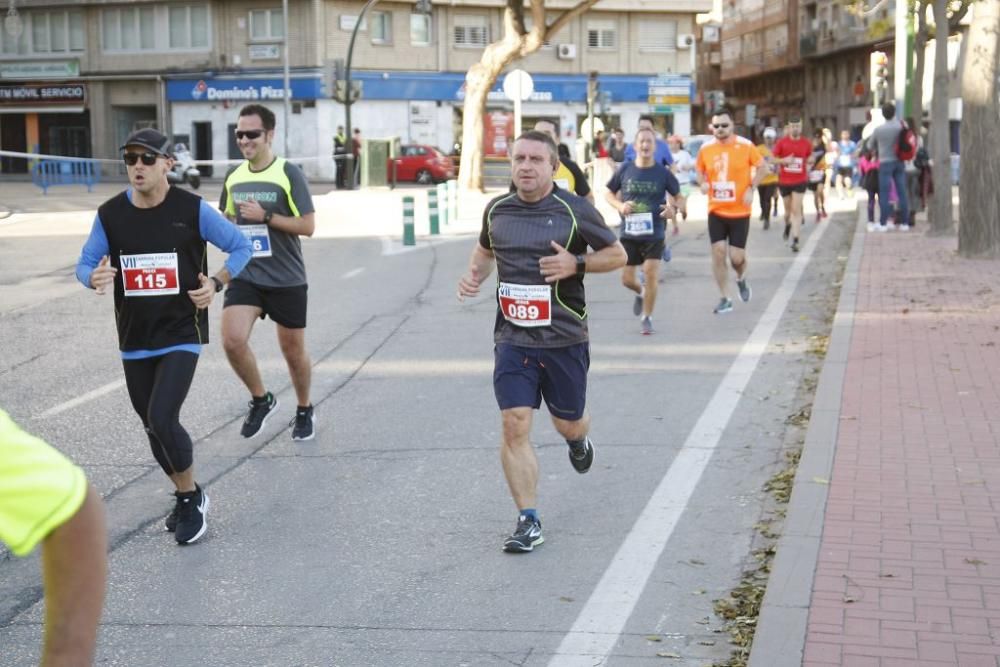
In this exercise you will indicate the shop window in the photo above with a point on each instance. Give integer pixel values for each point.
(267, 25)
(657, 35)
(46, 32)
(420, 29)
(601, 34)
(471, 31)
(381, 28)
(188, 27)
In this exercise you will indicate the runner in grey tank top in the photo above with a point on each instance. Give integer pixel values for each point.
(538, 237)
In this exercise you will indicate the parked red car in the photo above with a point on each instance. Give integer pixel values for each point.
(422, 164)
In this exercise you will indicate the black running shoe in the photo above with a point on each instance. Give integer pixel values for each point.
(581, 455)
(767, 223)
(170, 523)
(637, 304)
(788, 230)
(526, 537)
(744, 289)
(191, 523)
(304, 424)
(795, 245)
(257, 417)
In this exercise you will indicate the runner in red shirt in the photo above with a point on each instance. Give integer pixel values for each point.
(793, 153)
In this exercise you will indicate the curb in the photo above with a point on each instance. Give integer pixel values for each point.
(782, 624)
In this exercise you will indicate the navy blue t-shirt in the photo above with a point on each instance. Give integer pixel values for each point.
(646, 188)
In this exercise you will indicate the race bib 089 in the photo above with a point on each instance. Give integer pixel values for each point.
(151, 274)
(526, 305)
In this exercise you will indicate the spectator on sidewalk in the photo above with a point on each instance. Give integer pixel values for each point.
(868, 166)
(891, 170)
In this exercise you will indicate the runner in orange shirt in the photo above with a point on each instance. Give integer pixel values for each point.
(727, 170)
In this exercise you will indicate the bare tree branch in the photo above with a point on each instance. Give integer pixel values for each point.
(569, 15)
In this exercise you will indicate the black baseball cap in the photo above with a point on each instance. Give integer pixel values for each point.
(149, 139)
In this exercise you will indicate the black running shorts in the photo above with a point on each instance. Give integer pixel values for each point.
(735, 230)
(786, 190)
(285, 305)
(639, 251)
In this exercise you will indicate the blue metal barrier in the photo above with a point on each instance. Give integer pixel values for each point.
(47, 173)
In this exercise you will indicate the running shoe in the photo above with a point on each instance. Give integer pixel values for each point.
(581, 455)
(871, 226)
(170, 523)
(637, 304)
(526, 537)
(795, 245)
(257, 417)
(745, 291)
(192, 508)
(904, 228)
(788, 230)
(725, 306)
(304, 424)
(647, 326)
(767, 223)
(883, 228)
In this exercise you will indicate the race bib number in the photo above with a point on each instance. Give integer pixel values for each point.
(153, 274)
(816, 176)
(795, 166)
(562, 183)
(526, 305)
(260, 239)
(844, 161)
(724, 190)
(639, 224)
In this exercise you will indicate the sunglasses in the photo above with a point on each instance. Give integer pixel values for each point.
(721, 126)
(249, 134)
(148, 159)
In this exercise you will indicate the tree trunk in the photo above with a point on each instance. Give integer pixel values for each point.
(979, 207)
(919, 56)
(478, 82)
(939, 212)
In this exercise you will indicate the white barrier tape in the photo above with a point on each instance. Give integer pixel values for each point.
(43, 156)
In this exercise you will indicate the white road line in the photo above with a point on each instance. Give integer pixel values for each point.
(600, 622)
(80, 400)
(352, 273)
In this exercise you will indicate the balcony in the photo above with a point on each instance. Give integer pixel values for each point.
(807, 46)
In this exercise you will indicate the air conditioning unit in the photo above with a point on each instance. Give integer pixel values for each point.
(566, 51)
(685, 41)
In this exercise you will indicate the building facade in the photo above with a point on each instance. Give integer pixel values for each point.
(79, 77)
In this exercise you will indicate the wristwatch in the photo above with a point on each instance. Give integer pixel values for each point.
(267, 217)
(218, 284)
(581, 265)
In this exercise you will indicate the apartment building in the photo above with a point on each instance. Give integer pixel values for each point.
(78, 77)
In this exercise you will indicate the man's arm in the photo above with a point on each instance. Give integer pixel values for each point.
(562, 265)
(74, 569)
(480, 266)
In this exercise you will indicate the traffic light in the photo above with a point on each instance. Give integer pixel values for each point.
(879, 77)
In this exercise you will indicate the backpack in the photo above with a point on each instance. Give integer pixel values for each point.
(906, 143)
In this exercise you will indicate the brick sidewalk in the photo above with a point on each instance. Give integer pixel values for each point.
(909, 562)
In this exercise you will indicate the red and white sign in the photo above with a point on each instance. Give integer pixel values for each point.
(152, 274)
(526, 305)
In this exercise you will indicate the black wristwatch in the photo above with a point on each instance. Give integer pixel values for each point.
(267, 217)
(581, 265)
(218, 284)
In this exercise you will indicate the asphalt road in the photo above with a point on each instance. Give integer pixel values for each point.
(378, 543)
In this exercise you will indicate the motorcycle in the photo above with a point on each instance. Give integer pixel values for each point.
(184, 169)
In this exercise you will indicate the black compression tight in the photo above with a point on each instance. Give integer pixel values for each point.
(157, 387)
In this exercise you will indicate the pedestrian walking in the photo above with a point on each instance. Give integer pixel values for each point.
(868, 166)
(149, 244)
(885, 139)
(537, 237)
(269, 199)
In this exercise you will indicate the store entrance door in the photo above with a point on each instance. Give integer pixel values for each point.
(13, 138)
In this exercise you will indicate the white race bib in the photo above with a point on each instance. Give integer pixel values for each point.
(816, 176)
(260, 239)
(724, 190)
(795, 166)
(526, 305)
(151, 274)
(639, 224)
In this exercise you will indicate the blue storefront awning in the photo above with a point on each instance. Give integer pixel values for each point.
(426, 86)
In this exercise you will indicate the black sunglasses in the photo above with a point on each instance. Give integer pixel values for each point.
(721, 126)
(249, 134)
(148, 159)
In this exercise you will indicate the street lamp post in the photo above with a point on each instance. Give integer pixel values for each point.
(422, 7)
(287, 83)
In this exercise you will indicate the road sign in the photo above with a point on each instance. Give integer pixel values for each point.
(518, 85)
